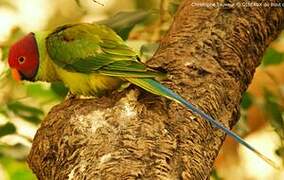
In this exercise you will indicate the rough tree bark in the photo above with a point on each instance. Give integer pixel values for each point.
(211, 55)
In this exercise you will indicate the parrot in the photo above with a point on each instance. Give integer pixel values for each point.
(92, 59)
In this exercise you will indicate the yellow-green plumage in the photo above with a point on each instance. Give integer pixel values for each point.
(82, 41)
(91, 59)
(88, 84)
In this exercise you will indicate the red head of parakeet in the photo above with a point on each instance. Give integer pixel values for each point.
(24, 58)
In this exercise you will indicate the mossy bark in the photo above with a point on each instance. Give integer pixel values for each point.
(211, 55)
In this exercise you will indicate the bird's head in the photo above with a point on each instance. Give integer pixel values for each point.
(24, 58)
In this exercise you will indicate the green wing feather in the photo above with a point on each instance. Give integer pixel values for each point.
(93, 48)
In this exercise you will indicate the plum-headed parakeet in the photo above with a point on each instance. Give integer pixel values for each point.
(91, 59)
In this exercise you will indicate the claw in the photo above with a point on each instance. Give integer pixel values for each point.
(70, 96)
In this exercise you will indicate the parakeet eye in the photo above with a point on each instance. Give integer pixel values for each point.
(21, 59)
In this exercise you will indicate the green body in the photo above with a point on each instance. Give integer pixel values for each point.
(90, 59)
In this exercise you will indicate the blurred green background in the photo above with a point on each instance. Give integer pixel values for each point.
(142, 24)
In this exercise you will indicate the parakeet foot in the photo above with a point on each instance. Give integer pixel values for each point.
(123, 86)
(70, 95)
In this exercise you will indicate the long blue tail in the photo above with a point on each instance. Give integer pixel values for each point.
(156, 88)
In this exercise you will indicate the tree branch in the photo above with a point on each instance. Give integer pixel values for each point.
(211, 55)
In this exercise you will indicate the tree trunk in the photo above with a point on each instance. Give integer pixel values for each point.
(210, 55)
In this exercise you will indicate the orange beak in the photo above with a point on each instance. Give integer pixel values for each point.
(16, 75)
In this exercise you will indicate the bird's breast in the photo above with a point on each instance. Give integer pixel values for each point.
(93, 84)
